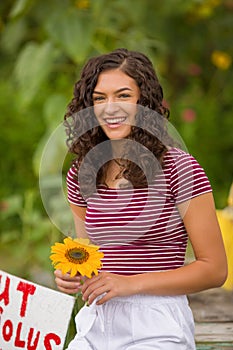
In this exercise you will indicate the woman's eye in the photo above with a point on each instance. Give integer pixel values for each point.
(124, 95)
(98, 98)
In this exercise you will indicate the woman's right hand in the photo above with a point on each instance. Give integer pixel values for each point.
(67, 284)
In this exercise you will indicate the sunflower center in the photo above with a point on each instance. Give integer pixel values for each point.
(77, 255)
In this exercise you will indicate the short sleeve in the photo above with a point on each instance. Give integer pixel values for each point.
(73, 190)
(188, 179)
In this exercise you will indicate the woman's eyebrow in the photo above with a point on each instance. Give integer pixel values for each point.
(98, 92)
(117, 91)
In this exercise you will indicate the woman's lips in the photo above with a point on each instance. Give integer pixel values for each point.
(115, 122)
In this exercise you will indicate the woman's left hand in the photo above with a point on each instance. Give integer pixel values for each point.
(107, 284)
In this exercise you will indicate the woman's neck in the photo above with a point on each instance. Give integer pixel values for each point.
(118, 148)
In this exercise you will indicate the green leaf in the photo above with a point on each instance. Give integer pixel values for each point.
(73, 32)
(32, 68)
(12, 36)
(54, 109)
(51, 152)
(19, 8)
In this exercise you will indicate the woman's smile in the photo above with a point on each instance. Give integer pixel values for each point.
(114, 122)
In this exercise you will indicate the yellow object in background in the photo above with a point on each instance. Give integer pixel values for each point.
(225, 218)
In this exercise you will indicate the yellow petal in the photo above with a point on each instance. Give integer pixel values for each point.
(64, 257)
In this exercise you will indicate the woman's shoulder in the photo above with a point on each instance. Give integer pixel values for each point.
(72, 168)
(178, 159)
(175, 154)
(72, 174)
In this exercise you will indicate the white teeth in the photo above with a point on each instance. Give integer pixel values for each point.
(115, 120)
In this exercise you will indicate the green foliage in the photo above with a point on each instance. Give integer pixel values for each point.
(43, 46)
(26, 245)
(33, 65)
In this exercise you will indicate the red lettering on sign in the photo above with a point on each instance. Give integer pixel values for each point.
(18, 342)
(27, 289)
(48, 338)
(5, 294)
(30, 335)
(7, 330)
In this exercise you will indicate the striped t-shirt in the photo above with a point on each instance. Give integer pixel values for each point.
(141, 230)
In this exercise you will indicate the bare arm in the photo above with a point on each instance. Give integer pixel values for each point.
(207, 271)
(210, 267)
(79, 214)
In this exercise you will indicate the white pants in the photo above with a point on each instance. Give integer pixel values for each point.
(138, 322)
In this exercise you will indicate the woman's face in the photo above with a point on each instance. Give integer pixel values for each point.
(115, 97)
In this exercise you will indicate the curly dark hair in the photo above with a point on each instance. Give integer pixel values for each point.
(149, 131)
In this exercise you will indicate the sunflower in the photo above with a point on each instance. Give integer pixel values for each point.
(76, 256)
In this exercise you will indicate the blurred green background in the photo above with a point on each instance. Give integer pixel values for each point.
(44, 43)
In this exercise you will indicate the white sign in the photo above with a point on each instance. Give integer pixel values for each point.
(32, 317)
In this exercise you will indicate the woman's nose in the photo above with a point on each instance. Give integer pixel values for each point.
(111, 108)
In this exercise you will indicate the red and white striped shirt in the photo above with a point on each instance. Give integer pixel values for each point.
(141, 230)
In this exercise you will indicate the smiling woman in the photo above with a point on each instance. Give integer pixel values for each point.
(141, 199)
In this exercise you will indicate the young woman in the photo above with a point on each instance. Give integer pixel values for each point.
(140, 198)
